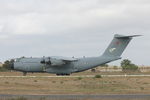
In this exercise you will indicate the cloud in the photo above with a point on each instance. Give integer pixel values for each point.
(36, 17)
(72, 27)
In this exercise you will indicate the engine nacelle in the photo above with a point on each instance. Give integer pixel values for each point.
(53, 61)
(56, 62)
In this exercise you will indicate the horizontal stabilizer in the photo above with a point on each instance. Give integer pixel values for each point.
(121, 36)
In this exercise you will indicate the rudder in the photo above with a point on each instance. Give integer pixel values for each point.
(118, 45)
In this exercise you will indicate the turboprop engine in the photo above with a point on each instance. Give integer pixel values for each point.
(52, 61)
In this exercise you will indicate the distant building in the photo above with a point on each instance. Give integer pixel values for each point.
(1, 64)
(144, 69)
(118, 69)
(110, 69)
(107, 69)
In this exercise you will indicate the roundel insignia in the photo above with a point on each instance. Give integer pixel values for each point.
(118, 43)
(112, 49)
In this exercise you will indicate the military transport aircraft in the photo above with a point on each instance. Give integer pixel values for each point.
(66, 65)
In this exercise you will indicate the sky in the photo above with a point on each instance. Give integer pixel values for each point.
(73, 28)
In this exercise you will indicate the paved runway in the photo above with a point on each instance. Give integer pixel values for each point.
(80, 97)
(88, 76)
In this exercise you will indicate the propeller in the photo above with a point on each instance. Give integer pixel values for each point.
(46, 61)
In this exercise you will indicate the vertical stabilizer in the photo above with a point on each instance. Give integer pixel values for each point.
(118, 45)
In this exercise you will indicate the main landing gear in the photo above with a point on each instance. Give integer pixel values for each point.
(63, 74)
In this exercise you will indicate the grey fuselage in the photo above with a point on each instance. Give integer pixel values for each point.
(82, 64)
(65, 65)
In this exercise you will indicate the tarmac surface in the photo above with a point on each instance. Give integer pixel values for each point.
(82, 97)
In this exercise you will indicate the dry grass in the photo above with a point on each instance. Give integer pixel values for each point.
(23, 98)
(134, 85)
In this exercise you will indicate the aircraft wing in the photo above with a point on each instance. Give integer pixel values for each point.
(57, 61)
(68, 59)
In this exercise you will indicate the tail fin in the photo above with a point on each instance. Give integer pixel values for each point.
(118, 45)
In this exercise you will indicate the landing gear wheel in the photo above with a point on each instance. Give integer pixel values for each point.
(63, 74)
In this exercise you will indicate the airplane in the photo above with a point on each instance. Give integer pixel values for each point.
(68, 65)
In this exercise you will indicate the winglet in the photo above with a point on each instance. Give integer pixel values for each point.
(122, 36)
